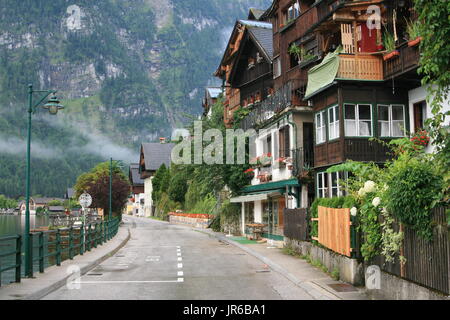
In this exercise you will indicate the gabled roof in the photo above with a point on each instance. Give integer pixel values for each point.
(264, 39)
(255, 14)
(214, 92)
(135, 177)
(156, 154)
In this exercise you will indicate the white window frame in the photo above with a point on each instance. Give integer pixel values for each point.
(357, 120)
(277, 67)
(333, 127)
(322, 192)
(338, 187)
(320, 128)
(390, 121)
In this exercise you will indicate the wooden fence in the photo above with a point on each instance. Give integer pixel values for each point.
(427, 262)
(296, 225)
(335, 230)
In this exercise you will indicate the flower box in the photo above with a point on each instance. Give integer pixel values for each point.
(391, 55)
(414, 42)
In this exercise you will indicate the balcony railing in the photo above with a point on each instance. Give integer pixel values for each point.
(360, 67)
(302, 160)
(406, 61)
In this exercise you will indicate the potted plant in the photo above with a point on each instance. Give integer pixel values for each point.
(297, 51)
(250, 173)
(389, 44)
(421, 138)
(413, 30)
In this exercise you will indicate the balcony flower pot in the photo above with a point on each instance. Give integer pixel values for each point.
(290, 167)
(414, 42)
(391, 55)
(380, 47)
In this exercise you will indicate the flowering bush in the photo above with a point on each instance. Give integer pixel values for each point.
(192, 215)
(421, 138)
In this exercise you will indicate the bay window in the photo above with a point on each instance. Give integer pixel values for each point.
(320, 127)
(391, 120)
(358, 120)
(333, 123)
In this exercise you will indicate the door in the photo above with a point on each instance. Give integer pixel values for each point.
(419, 115)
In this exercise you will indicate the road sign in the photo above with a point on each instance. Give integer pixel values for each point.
(85, 200)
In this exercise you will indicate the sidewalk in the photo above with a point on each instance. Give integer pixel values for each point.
(55, 277)
(313, 280)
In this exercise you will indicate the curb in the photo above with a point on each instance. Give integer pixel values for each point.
(58, 284)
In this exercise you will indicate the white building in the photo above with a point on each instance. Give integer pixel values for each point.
(153, 156)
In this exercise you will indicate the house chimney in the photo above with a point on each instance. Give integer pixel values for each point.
(162, 140)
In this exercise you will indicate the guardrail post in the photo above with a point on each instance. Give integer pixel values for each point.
(89, 236)
(31, 254)
(71, 243)
(82, 242)
(95, 235)
(58, 248)
(41, 252)
(101, 233)
(18, 258)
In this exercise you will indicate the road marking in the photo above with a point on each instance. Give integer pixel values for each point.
(180, 265)
(180, 273)
(180, 259)
(179, 254)
(180, 279)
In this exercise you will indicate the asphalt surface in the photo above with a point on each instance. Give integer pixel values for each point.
(169, 262)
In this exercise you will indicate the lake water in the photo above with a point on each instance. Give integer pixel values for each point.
(13, 225)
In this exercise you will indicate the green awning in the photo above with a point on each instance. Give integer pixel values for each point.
(271, 186)
(323, 74)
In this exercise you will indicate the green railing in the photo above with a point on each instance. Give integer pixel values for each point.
(54, 246)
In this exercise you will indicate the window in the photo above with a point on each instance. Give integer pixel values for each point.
(322, 186)
(391, 120)
(420, 115)
(336, 179)
(276, 68)
(292, 12)
(284, 142)
(320, 127)
(358, 120)
(333, 122)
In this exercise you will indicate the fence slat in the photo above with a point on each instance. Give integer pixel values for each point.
(335, 230)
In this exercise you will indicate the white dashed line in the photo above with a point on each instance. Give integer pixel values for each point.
(180, 266)
(180, 273)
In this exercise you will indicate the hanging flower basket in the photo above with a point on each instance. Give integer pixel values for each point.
(265, 159)
(250, 173)
(281, 161)
(391, 55)
(414, 42)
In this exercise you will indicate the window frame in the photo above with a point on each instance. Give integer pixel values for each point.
(322, 114)
(322, 192)
(357, 120)
(390, 121)
(336, 123)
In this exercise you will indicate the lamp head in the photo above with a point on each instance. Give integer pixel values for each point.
(53, 105)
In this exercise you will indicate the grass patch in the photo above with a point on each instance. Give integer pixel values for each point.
(156, 218)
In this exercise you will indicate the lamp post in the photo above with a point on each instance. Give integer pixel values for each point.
(53, 107)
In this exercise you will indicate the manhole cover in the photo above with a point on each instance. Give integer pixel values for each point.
(342, 287)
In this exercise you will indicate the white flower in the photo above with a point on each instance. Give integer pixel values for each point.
(376, 202)
(361, 192)
(353, 211)
(369, 186)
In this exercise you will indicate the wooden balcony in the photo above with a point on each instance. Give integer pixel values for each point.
(360, 67)
(407, 60)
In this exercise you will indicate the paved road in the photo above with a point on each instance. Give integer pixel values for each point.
(163, 261)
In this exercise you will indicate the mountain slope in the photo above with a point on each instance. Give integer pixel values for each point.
(129, 71)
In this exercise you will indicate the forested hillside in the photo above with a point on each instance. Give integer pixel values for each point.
(128, 71)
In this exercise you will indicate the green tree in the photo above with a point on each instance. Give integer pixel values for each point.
(96, 183)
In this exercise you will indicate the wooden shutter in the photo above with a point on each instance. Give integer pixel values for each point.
(287, 145)
(281, 207)
(347, 38)
(281, 142)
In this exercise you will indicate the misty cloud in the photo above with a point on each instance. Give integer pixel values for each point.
(16, 146)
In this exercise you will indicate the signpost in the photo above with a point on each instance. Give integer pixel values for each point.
(85, 201)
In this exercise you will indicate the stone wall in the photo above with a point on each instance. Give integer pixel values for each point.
(193, 222)
(350, 270)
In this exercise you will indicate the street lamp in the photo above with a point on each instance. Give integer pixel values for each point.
(120, 165)
(53, 106)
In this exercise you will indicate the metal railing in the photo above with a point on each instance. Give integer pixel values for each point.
(55, 246)
(303, 160)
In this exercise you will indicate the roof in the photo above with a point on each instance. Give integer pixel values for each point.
(264, 38)
(255, 13)
(258, 24)
(214, 92)
(46, 200)
(156, 154)
(135, 177)
(56, 208)
(277, 185)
